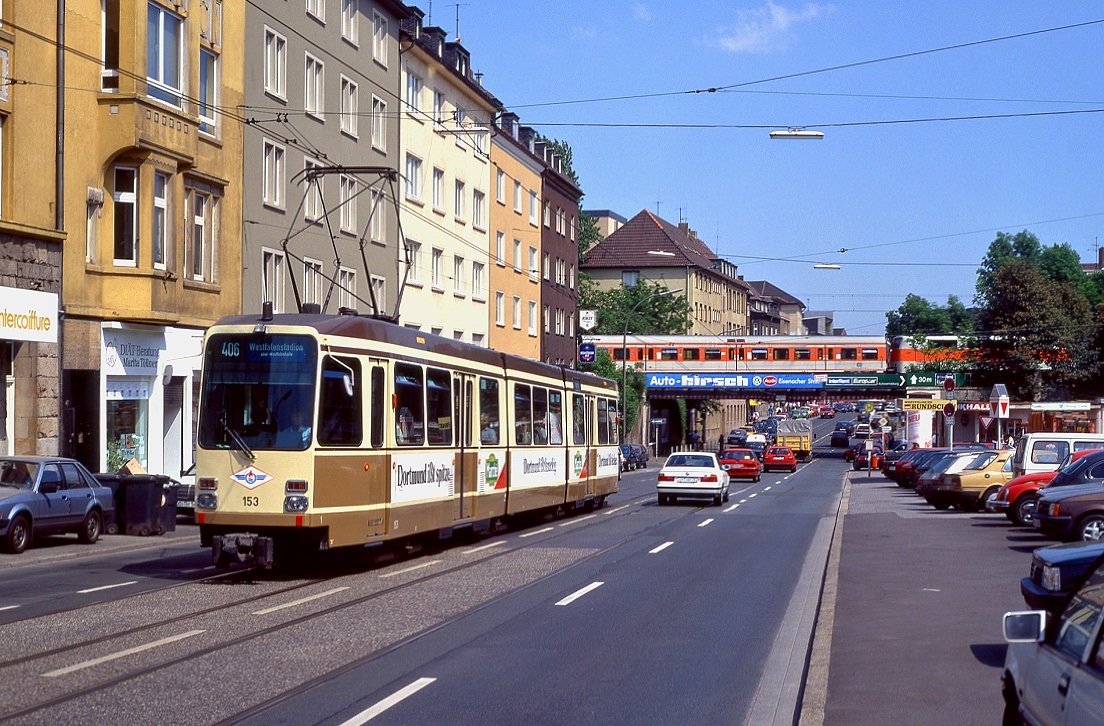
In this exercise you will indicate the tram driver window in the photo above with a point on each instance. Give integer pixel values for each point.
(489, 422)
(340, 412)
(409, 405)
(540, 416)
(603, 421)
(523, 415)
(555, 419)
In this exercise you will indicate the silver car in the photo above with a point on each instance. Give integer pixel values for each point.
(42, 495)
(1054, 672)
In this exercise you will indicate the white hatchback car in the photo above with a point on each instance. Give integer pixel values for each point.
(692, 474)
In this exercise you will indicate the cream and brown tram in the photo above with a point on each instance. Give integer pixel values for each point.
(326, 431)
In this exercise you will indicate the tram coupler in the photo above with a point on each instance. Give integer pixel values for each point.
(227, 549)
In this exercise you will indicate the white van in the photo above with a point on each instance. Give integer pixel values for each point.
(1046, 451)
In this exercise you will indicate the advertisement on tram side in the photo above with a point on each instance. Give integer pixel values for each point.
(537, 467)
(415, 477)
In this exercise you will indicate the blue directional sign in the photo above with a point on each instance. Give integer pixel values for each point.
(701, 381)
(587, 353)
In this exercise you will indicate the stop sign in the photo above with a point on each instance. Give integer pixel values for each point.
(948, 384)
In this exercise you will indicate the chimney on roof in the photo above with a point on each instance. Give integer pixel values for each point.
(684, 227)
(508, 122)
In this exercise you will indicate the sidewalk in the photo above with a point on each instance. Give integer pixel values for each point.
(909, 628)
(65, 547)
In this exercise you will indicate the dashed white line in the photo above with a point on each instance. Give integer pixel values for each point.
(706, 522)
(618, 509)
(744, 501)
(578, 519)
(422, 566)
(534, 534)
(496, 543)
(733, 507)
(752, 496)
(121, 654)
(367, 715)
(659, 549)
(579, 593)
(767, 489)
(300, 601)
(106, 587)
(9, 607)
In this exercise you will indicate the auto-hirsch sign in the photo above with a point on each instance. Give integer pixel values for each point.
(732, 380)
(28, 315)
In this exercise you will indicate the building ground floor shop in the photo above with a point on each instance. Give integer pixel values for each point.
(131, 392)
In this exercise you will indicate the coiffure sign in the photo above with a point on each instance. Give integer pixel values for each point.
(28, 315)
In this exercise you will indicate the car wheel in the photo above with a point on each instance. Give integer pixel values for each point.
(91, 527)
(983, 502)
(726, 494)
(1024, 511)
(718, 500)
(662, 499)
(1091, 528)
(941, 506)
(19, 535)
(794, 470)
(1012, 715)
(758, 477)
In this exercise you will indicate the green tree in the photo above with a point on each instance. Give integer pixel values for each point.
(1005, 248)
(563, 150)
(917, 316)
(589, 235)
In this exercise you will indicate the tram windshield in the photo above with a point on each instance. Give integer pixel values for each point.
(258, 392)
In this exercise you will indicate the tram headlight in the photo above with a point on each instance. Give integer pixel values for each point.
(207, 500)
(295, 503)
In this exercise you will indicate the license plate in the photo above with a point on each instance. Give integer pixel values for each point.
(686, 480)
(185, 505)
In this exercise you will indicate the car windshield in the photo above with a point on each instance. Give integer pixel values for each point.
(981, 461)
(690, 460)
(737, 455)
(18, 474)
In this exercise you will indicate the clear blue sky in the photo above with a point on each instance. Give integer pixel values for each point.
(926, 192)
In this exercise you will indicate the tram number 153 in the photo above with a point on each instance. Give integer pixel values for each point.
(251, 501)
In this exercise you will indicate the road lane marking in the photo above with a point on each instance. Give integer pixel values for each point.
(397, 697)
(422, 566)
(486, 546)
(767, 489)
(706, 522)
(930, 589)
(106, 587)
(578, 519)
(618, 509)
(733, 507)
(534, 534)
(121, 654)
(752, 496)
(579, 593)
(300, 601)
(744, 501)
(9, 607)
(659, 549)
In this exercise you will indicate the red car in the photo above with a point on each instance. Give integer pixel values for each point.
(741, 464)
(779, 457)
(1017, 498)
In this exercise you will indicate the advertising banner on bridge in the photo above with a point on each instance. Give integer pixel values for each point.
(715, 381)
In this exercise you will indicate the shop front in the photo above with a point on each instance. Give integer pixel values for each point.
(28, 365)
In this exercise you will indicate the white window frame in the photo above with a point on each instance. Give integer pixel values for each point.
(350, 105)
(275, 68)
(414, 180)
(378, 229)
(314, 86)
(202, 206)
(379, 123)
(123, 199)
(517, 196)
(312, 200)
(547, 317)
(534, 264)
(517, 254)
(500, 187)
(459, 284)
(438, 191)
(208, 92)
(160, 220)
(534, 209)
(379, 38)
(156, 86)
(547, 214)
(517, 313)
(347, 192)
(317, 10)
(379, 289)
(415, 84)
(272, 278)
(546, 265)
(275, 179)
(500, 249)
(436, 274)
(312, 280)
(413, 276)
(479, 210)
(458, 199)
(477, 281)
(532, 318)
(438, 109)
(346, 287)
(500, 309)
(350, 21)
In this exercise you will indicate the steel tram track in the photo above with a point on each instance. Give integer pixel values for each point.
(264, 632)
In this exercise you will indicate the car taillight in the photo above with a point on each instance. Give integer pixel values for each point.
(666, 477)
(709, 477)
(208, 482)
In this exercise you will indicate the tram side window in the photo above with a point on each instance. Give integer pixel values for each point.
(690, 353)
(781, 354)
(712, 354)
(523, 415)
(555, 417)
(613, 421)
(439, 407)
(340, 411)
(540, 415)
(603, 421)
(409, 405)
(489, 423)
(802, 354)
(578, 420)
(376, 406)
(848, 354)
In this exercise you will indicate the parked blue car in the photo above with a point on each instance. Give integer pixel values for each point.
(42, 495)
